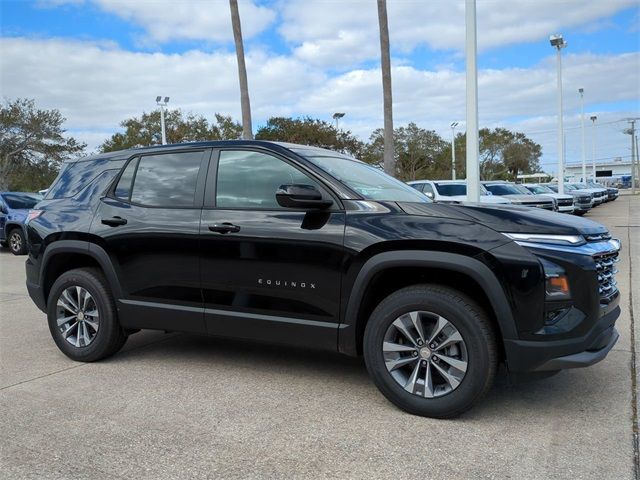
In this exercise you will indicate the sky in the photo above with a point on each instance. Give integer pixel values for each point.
(102, 61)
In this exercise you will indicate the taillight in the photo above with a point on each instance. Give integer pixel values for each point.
(33, 214)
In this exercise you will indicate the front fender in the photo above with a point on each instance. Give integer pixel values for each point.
(471, 267)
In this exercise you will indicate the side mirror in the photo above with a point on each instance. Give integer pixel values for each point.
(429, 194)
(489, 193)
(301, 196)
(3, 209)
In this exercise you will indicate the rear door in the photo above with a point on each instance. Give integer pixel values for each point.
(275, 273)
(149, 226)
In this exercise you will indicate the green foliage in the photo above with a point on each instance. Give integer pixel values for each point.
(310, 131)
(147, 130)
(32, 145)
(419, 153)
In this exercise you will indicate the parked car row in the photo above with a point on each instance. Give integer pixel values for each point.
(578, 198)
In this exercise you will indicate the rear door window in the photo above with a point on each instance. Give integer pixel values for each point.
(166, 180)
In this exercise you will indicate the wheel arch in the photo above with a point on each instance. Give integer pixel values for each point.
(64, 255)
(449, 269)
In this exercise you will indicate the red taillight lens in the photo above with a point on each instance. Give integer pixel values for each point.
(34, 214)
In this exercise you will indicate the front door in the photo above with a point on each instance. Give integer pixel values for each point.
(149, 225)
(268, 272)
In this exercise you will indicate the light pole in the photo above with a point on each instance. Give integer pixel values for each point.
(584, 154)
(337, 116)
(593, 138)
(162, 103)
(453, 150)
(473, 147)
(558, 43)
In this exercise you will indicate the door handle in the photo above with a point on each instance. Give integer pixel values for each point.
(114, 221)
(225, 227)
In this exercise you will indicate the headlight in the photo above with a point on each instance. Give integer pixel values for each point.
(528, 238)
(556, 281)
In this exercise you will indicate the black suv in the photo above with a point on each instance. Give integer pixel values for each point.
(305, 246)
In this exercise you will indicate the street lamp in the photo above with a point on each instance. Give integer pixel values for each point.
(593, 137)
(162, 103)
(453, 150)
(558, 43)
(584, 154)
(471, 64)
(337, 116)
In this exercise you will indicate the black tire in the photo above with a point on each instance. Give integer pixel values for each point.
(579, 213)
(4, 244)
(472, 323)
(17, 241)
(109, 338)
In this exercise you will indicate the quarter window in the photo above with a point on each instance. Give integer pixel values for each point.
(250, 179)
(123, 189)
(167, 180)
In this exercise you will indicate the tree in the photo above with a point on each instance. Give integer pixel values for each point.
(32, 141)
(310, 131)
(385, 64)
(247, 131)
(503, 154)
(419, 153)
(144, 131)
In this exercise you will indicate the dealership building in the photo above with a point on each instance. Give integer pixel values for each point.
(616, 168)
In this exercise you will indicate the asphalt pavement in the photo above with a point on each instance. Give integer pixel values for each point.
(189, 407)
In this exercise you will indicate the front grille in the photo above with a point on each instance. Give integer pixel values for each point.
(565, 202)
(547, 206)
(606, 270)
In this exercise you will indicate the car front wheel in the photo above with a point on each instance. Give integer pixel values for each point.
(431, 350)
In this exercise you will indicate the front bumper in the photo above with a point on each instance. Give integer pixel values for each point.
(566, 208)
(590, 348)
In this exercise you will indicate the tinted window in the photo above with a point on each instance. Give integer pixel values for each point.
(250, 179)
(123, 189)
(451, 189)
(503, 189)
(418, 186)
(21, 200)
(167, 180)
(74, 176)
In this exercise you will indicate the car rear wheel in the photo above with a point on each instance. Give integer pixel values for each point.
(17, 243)
(431, 350)
(82, 316)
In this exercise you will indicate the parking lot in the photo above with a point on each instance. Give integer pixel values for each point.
(182, 406)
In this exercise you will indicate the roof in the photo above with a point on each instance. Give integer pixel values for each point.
(123, 154)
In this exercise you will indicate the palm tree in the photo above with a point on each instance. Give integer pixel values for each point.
(247, 132)
(389, 160)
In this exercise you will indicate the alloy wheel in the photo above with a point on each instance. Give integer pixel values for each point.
(15, 242)
(77, 316)
(425, 354)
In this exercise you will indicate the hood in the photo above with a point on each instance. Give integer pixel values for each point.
(483, 199)
(509, 218)
(528, 198)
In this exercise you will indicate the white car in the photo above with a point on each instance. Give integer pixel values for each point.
(453, 191)
(564, 202)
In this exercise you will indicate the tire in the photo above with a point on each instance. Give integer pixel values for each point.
(17, 241)
(4, 244)
(478, 348)
(93, 343)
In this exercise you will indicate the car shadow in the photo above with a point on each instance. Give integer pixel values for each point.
(566, 393)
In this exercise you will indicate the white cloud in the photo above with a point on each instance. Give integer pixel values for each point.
(97, 86)
(165, 20)
(324, 32)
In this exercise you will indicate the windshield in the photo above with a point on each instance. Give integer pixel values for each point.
(451, 189)
(503, 189)
(368, 181)
(579, 185)
(566, 187)
(18, 201)
(539, 189)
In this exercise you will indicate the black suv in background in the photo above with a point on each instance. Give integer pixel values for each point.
(305, 246)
